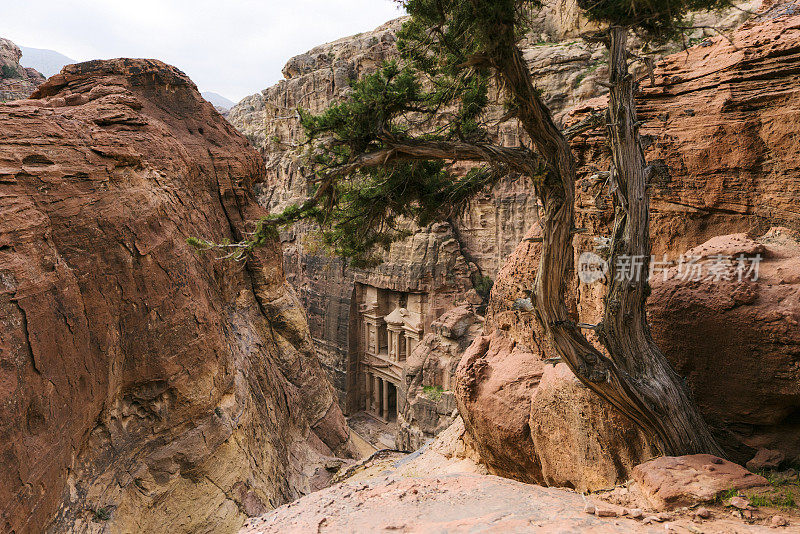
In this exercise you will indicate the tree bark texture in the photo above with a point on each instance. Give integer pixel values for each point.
(626, 335)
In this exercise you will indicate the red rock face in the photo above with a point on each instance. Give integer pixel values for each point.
(720, 127)
(138, 380)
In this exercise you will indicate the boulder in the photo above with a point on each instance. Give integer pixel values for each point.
(495, 382)
(736, 341)
(582, 442)
(533, 421)
(766, 459)
(670, 482)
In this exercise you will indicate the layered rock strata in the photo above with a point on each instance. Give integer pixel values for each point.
(144, 387)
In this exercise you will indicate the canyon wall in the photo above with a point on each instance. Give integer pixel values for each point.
(16, 81)
(145, 388)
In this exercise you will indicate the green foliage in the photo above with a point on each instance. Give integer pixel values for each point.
(102, 514)
(658, 19)
(773, 500)
(725, 496)
(785, 490)
(483, 285)
(365, 212)
(10, 72)
(371, 210)
(434, 393)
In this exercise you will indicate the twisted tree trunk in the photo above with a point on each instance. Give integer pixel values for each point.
(636, 379)
(668, 408)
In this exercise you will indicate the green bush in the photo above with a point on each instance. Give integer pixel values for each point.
(10, 72)
(434, 393)
(483, 285)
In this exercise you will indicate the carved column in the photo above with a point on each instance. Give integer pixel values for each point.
(368, 391)
(385, 406)
(376, 389)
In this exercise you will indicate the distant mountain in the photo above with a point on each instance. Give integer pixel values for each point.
(218, 100)
(48, 62)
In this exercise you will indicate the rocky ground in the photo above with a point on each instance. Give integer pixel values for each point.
(442, 489)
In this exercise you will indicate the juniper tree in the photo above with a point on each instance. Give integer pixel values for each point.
(387, 155)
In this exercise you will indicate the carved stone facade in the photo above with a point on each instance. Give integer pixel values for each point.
(389, 325)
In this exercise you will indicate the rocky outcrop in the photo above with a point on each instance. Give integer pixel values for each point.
(16, 81)
(427, 402)
(718, 124)
(144, 388)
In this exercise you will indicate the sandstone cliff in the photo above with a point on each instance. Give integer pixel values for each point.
(144, 388)
(16, 81)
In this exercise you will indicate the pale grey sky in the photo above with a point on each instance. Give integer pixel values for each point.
(232, 47)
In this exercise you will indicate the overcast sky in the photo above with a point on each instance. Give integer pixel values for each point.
(233, 47)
